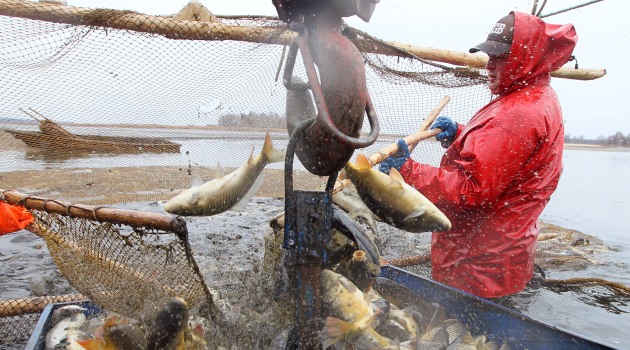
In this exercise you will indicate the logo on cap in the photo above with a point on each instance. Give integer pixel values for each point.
(498, 28)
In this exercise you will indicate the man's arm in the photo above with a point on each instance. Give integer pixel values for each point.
(489, 161)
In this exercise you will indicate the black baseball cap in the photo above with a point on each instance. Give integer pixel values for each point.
(499, 40)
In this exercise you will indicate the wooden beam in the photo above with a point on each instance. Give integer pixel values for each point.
(196, 30)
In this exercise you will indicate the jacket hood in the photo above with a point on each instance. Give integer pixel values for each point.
(537, 49)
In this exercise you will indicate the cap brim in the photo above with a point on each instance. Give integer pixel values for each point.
(490, 47)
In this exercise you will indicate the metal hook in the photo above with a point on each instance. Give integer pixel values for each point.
(323, 114)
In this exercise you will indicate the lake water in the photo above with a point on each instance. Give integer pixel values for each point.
(593, 197)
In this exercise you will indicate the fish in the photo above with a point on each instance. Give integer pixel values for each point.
(406, 319)
(348, 200)
(426, 314)
(467, 342)
(393, 330)
(232, 191)
(65, 312)
(394, 201)
(116, 334)
(166, 330)
(73, 340)
(351, 313)
(59, 332)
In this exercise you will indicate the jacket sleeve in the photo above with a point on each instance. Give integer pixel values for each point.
(13, 218)
(476, 175)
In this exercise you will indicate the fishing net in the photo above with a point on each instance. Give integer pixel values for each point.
(107, 252)
(105, 107)
(112, 106)
(128, 262)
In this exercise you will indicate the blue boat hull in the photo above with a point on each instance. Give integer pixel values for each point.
(492, 320)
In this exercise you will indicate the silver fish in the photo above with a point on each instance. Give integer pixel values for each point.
(59, 332)
(395, 202)
(405, 318)
(232, 191)
(65, 312)
(348, 200)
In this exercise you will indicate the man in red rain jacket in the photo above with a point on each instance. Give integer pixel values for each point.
(501, 168)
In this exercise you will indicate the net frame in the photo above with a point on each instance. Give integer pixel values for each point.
(90, 246)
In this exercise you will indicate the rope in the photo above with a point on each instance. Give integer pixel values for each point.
(410, 261)
(570, 8)
(579, 282)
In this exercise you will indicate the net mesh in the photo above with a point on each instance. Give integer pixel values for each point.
(149, 91)
(93, 257)
(119, 264)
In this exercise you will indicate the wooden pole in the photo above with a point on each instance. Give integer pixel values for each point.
(18, 307)
(133, 218)
(430, 119)
(196, 30)
(411, 140)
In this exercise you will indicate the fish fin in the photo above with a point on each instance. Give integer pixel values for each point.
(194, 198)
(395, 174)
(250, 160)
(369, 297)
(335, 330)
(348, 285)
(219, 173)
(92, 343)
(196, 180)
(363, 162)
(273, 155)
(241, 205)
(413, 214)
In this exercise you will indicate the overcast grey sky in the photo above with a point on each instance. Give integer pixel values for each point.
(591, 108)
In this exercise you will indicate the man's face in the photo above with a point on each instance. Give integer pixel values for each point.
(496, 68)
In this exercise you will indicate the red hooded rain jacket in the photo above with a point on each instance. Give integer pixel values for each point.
(498, 174)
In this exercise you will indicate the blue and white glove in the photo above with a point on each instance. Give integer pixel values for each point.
(449, 130)
(397, 159)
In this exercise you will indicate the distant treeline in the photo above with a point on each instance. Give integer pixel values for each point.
(618, 140)
(262, 120)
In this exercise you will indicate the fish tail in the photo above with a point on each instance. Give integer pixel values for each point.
(335, 330)
(273, 155)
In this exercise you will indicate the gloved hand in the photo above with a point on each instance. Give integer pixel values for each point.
(449, 130)
(397, 159)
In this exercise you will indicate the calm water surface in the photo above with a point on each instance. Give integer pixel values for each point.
(593, 197)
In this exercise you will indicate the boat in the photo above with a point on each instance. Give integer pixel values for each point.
(496, 322)
(53, 138)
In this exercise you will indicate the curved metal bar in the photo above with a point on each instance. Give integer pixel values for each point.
(323, 114)
(288, 69)
(344, 224)
(330, 185)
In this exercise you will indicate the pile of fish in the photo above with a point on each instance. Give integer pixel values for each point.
(366, 319)
(169, 328)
